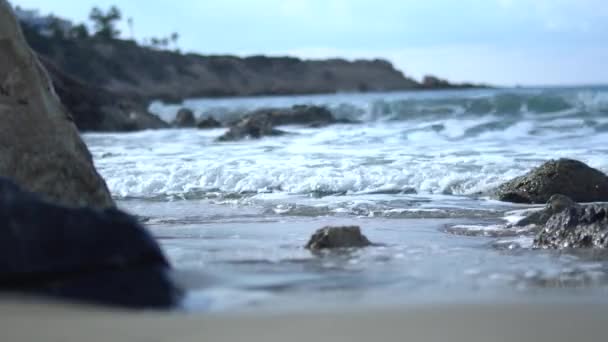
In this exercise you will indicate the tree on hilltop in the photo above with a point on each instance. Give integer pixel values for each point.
(105, 23)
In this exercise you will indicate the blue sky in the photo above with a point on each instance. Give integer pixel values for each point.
(505, 42)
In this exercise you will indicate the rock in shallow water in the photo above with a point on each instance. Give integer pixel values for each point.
(575, 226)
(254, 127)
(568, 177)
(98, 256)
(184, 118)
(262, 122)
(556, 204)
(337, 237)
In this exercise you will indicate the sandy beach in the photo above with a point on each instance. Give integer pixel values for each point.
(517, 321)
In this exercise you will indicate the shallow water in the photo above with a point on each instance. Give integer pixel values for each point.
(233, 217)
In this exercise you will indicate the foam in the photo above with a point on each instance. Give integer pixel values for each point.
(443, 143)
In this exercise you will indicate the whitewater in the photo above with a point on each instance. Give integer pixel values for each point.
(415, 171)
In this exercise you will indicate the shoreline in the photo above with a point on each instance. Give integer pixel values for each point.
(516, 321)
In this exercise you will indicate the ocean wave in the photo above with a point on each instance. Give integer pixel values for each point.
(511, 103)
(453, 143)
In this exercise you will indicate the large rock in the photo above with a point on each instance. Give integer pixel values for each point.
(262, 122)
(39, 144)
(337, 237)
(98, 110)
(84, 254)
(254, 127)
(568, 177)
(575, 226)
(556, 204)
(298, 115)
(184, 118)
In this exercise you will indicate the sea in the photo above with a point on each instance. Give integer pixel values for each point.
(415, 173)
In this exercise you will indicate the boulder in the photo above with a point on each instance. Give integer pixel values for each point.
(575, 226)
(556, 204)
(184, 119)
(568, 177)
(337, 237)
(98, 110)
(83, 254)
(209, 122)
(261, 122)
(253, 127)
(299, 115)
(40, 147)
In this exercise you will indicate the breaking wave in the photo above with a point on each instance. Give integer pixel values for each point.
(448, 143)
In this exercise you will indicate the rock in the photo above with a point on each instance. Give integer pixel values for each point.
(254, 127)
(575, 226)
(299, 115)
(209, 122)
(97, 110)
(568, 177)
(99, 256)
(39, 144)
(184, 119)
(337, 237)
(262, 122)
(556, 204)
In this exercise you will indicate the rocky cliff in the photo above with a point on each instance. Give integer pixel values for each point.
(108, 83)
(127, 68)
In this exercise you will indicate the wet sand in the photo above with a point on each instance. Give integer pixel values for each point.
(517, 321)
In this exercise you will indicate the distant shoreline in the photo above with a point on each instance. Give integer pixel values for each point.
(126, 68)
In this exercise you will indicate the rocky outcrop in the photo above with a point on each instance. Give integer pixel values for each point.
(98, 110)
(40, 147)
(262, 122)
(184, 118)
(575, 226)
(209, 122)
(337, 237)
(83, 254)
(568, 177)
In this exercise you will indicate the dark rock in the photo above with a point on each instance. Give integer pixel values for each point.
(40, 147)
(298, 115)
(251, 129)
(83, 254)
(255, 127)
(575, 226)
(556, 204)
(98, 110)
(262, 122)
(123, 67)
(209, 122)
(184, 119)
(337, 237)
(568, 177)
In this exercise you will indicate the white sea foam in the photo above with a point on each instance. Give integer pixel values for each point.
(463, 152)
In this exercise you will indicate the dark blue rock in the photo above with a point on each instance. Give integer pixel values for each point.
(83, 254)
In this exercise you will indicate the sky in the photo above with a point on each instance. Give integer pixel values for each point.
(501, 42)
